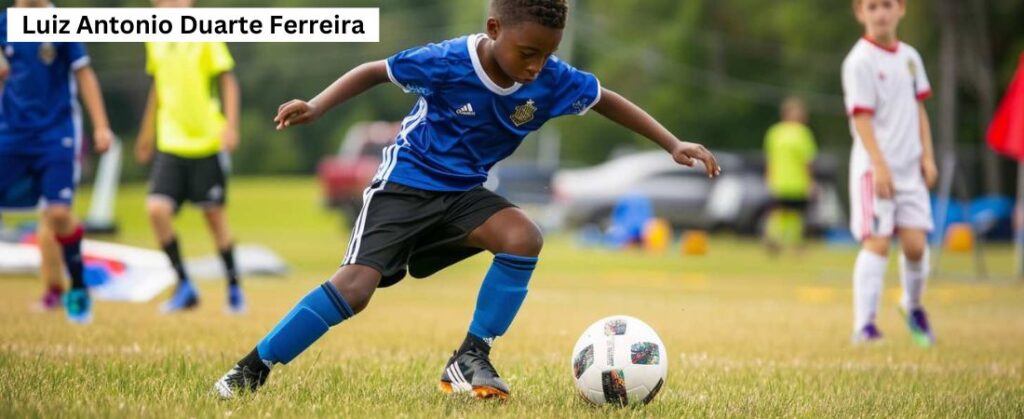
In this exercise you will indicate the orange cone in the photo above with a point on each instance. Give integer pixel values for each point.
(959, 238)
(657, 235)
(695, 242)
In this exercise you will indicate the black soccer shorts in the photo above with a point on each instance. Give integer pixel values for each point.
(203, 181)
(403, 229)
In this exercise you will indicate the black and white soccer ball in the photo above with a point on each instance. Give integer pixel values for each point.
(619, 360)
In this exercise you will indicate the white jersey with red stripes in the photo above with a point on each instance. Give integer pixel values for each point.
(887, 83)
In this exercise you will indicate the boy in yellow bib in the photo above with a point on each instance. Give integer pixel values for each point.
(194, 129)
(789, 151)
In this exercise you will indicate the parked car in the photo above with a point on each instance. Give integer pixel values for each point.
(523, 183)
(344, 176)
(684, 196)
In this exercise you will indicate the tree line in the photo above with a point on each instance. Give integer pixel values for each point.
(710, 70)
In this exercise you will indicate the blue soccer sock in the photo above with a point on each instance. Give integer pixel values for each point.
(322, 308)
(501, 295)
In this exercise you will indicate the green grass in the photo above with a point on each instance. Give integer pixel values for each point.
(746, 335)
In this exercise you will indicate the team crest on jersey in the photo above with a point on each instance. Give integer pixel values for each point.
(523, 113)
(913, 73)
(47, 53)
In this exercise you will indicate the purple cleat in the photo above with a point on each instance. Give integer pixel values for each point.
(50, 300)
(920, 330)
(867, 334)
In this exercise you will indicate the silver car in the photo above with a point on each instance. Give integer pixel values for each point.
(684, 196)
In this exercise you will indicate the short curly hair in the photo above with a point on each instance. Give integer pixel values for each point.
(550, 13)
(857, 3)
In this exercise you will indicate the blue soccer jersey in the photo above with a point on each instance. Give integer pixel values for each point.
(464, 123)
(38, 110)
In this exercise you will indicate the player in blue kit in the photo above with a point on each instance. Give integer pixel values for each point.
(479, 96)
(40, 134)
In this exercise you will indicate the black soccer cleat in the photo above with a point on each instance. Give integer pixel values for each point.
(247, 376)
(469, 370)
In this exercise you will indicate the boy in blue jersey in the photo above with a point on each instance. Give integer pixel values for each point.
(479, 96)
(40, 130)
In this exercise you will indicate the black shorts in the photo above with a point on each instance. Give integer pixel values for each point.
(796, 204)
(401, 228)
(203, 180)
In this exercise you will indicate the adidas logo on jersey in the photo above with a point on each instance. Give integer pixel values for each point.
(466, 110)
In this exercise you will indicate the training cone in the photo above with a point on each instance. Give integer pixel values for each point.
(657, 235)
(959, 238)
(695, 242)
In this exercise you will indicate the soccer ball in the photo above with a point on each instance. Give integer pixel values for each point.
(619, 360)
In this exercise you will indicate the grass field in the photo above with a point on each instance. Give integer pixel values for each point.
(746, 335)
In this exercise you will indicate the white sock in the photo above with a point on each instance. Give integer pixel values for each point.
(913, 276)
(868, 276)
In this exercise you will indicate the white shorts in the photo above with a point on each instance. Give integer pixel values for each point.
(871, 216)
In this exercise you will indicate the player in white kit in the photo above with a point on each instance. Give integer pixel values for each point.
(892, 166)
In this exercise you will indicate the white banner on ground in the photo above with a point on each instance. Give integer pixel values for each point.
(199, 24)
(114, 272)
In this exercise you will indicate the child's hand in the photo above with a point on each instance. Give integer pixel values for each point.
(685, 153)
(229, 138)
(295, 112)
(101, 139)
(883, 181)
(930, 171)
(143, 150)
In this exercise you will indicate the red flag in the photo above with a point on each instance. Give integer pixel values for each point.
(1006, 134)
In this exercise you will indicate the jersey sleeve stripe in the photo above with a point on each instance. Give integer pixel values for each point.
(861, 109)
(924, 95)
(597, 98)
(80, 63)
(391, 76)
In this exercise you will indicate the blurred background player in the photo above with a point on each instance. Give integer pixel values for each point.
(479, 96)
(891, 166)
(789, 150)
(192, 139)
(51, 268)
(40, 137)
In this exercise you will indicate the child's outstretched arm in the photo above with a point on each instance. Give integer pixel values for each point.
(349, 85)
(619, 109)
(93, 98)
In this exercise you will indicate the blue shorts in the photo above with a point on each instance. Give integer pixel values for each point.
(28, 176)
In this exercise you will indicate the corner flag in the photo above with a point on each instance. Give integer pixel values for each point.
(1006, 134)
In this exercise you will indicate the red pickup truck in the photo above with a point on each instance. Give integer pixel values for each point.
(344, 176)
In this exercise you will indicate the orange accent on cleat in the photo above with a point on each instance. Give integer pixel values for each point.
(480, 393)
(485, 392)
